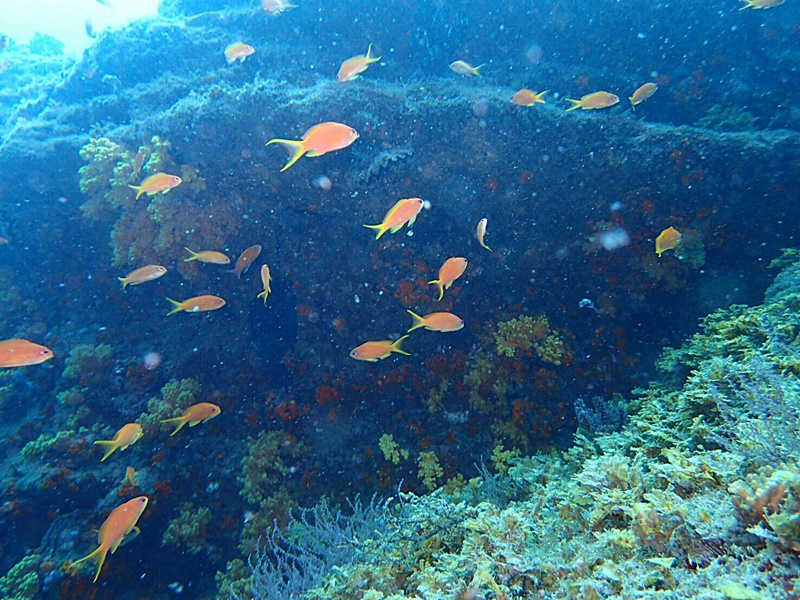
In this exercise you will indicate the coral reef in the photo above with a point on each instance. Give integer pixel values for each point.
(391, 450)
(88, 364)
(189, 530)
(176, 396)
(22, 581)
(523, 334)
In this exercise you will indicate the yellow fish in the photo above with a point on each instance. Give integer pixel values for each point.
(462, 67)
(667, 240)
(126, 435)
(353, 67)
(130, 477)
(642, 93)
(195, 414)
(403, 212)
(480, 232)
(593, 101)
(208, 256)
(265, 279)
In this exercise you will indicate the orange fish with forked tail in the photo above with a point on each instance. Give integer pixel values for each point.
(265, 279)
(197, 304)
(353, 67)
(126, 435)
(207, 256)
(246, 258)
(238, 51)
(667, 240)
(158, 183)
(195, 414)
(21, 353)
(593, 101)
(642, 93)
(142, 275)
(452, 269)
(374, 351)
(119, 523)
(438, 321)
(319, 140)
(404, 211)
(526, 97)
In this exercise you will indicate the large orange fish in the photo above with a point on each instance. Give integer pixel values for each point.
(207, 256)
(438, 321)
(238, 51)
(404, 211)
(126, 435)
(195, 414)
(21, 353)
(526, 97)
(158, 183)
(353, 67)
(667, 240)
(197, 304)
(142, 275)
(642, 93)
(374, 351)
(462, 67)
(119, 523)
(319, 140)
(593, 101)
(245, 259)
(451, 270)
(265, 279)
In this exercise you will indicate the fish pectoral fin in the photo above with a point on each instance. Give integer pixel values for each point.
(396, 228)
(194, 423)
(313, 153)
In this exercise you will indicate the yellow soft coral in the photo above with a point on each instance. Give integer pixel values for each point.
(527, 334)
(391, 451)
(430, 471)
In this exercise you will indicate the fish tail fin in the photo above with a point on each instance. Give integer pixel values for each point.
(416, 321)
(475, 70)
(439, 285)
(108, 445)
(177, 307)
(396, 346)
(263, 295)
(633, 104)
(99, 555)
(124, 281)
(747, 4)
(296, 150)
(379, 228)
(194, 255)
(575, 104)
(369, 58)
(540, 96)
(178, 421)
(139, 190)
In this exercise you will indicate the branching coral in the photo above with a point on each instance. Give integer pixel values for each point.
(189, 529)
(528, 333)
(430, 471)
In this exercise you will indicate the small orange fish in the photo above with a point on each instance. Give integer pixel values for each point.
(353, 67)
(126, 435)
(593, 101)
(451, 270)
(667, 240)
(142, 275)
(404, 211)
(238, 51)
(194, 415)
(197, 304)
(138, 162)
(438, 321)
(374, 351)
(480, 232)
(642, 93)
(319, 140)
(130, 477)
(759, 4)
(265, 279)
(159, 183)
(207, 256)
(276, 7)
(21, 353)
(119, 523)
(464, 68)
(526, 97)
(245, 259)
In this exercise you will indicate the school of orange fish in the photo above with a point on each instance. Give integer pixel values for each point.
(317, 141)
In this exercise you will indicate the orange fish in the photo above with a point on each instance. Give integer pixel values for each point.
(642, 93)
(464, 68)
(238, 51)
(373, 351)
(197, 304)
(130, 477)
(207, 256)
(142, 275)
(265, 279)
(276, 7)
(119, 523)
(526, 97)
(404, 211)
(759, 4)
(451, 270)
(438, 321)
(21, 353)
(480, 232)
(126, 435)
(195, 414)
(667, 240)
(352, 67)
(159, 183)
(594, 100)
(138, 162)
(319, 140)
(245, 259)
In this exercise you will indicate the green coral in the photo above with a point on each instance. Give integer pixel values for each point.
(189, 529)
(88, 364)
(430, 471)
(22, 580)
(45, 442)
(391, 450)
(526, 334)
(267, 463)
(176, 396)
